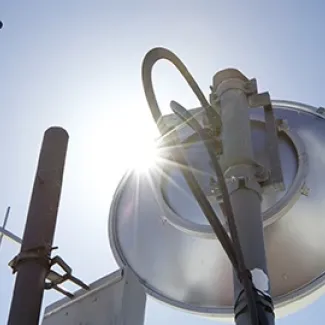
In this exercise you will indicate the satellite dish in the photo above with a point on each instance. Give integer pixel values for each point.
(157, 229)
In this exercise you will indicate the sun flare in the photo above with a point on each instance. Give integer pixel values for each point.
(144, 156)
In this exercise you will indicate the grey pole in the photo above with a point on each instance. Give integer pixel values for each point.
(10, 235)
(32, 264)
(4, 225)
(245, 193)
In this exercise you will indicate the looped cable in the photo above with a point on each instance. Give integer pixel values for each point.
(149, 60)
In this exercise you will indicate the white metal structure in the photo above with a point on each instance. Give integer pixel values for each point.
(116, 299)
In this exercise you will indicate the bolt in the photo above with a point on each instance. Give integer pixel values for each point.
(305, 190)
(282, 124)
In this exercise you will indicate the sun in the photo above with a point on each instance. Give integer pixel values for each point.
(144, 155)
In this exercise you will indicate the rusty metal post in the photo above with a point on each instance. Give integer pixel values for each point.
(32, 263)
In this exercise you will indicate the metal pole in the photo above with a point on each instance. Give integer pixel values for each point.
(245, 193)
(32, 264)
(10, 235)
(4, 225)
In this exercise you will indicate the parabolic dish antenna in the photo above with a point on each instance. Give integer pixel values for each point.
(158, 230)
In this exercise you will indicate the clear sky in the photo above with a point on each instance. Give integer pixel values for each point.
(77, 64)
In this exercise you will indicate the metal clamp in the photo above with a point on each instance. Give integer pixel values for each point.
(54, 278)
(42, 255)
(235, 183)
(261, 173)
(249, 87)
(271, 126)
(249, 168)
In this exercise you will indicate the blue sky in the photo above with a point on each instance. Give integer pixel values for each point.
(77, 64)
